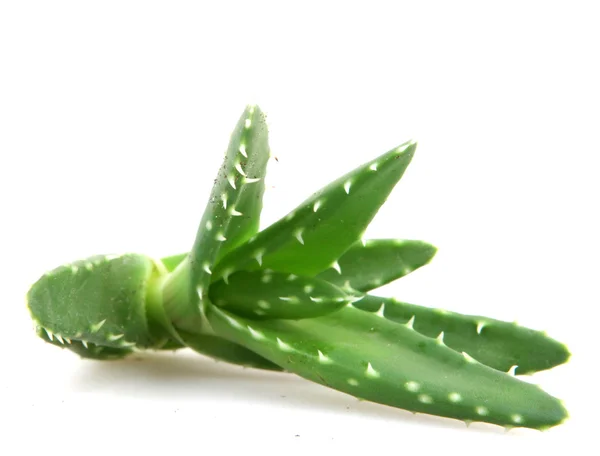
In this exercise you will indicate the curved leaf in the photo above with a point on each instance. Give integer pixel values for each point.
(314, 236)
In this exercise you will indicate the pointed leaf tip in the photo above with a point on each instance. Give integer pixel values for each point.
(331, 220)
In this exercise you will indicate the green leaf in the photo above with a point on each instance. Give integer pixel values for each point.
(171, 262)
(314, 236)
(376, 262)
(378, 360)
(233, 212)
(85, 349)
(267, 294)
(224, 350)
(100, 300)
(232, 215)
(498, 344)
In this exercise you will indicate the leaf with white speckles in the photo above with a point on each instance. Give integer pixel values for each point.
(495, 343)
(314, 235)
(233, 211)
(100, 300)
(265, 294)
(381, 361)
(369, 265)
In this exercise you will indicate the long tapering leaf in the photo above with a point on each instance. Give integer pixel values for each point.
(232, 214)
(373, 263)
(501, 345)
(376, 359)
(266, 294)
(312, 237)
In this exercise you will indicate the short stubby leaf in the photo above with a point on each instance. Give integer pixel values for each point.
(100, 300)
(312, 237)
(498, 344)
(266, 294)
(370, 264)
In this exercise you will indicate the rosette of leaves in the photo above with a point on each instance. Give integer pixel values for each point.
(295, 297)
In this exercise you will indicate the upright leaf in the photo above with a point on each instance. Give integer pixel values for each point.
(314, 236)
(232, 214)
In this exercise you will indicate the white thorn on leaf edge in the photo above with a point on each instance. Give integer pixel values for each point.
(410, 323)
(239, 169)
(468, 357)
(231, 181)
(440, 339)
(97, 326)
(298, 235)
(283, 346)
(258, 256)
(233, 322)
(323, 359)
(370, 372)
(226, 273)
(256, 334)
(224, 198)
(233, 212)
(347, 186)
(335, 265)
(480, 326)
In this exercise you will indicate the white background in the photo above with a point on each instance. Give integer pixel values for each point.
(114, 117)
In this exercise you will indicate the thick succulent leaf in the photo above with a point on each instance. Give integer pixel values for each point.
(171, 262)
(498, 344)
(312, 237)
(85, 349)
(267, 294)
(224, 350)
(232, 214)
(370, 264)
(376, 359)
(100, 300)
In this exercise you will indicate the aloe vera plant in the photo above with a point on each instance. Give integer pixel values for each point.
(294, 297)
